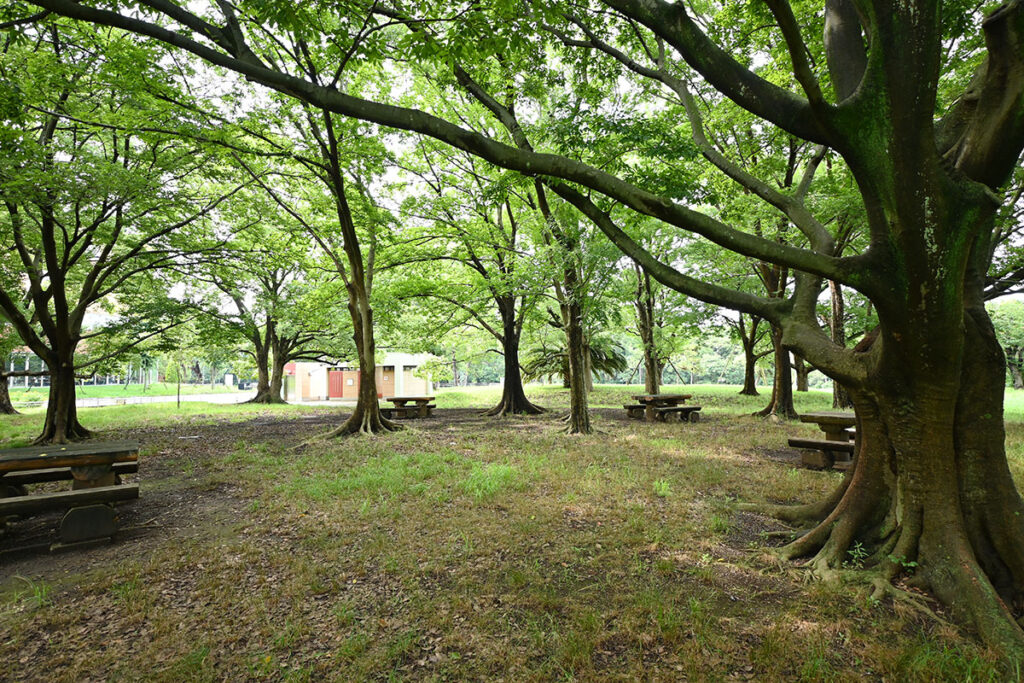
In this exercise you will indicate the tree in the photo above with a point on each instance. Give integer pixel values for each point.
(930, 488)
(93, 199)
(751, 335)
(473, 219)
(1008, 321)
(8, 342)
(257, 291)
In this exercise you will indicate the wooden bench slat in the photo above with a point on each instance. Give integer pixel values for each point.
(59, 474)
(41, 502)
(84, 454)
(822, 444)
(98, 447)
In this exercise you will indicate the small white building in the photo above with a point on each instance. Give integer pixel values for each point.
(395, 376)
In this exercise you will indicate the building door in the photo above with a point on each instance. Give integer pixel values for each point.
(335, 384)
(387, 380)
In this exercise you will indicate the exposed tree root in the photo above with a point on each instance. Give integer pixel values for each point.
(267, 399)
(802, 515)
(51, 435)
(365, 424)
(506, 407)
(883, 587)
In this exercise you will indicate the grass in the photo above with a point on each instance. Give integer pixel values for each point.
(19, 430)
(20, 394)
(464, 549)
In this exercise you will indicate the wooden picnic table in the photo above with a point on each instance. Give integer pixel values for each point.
(422, 406)
(93, 469)
(835, 424)
(650, 402)
(837, 428)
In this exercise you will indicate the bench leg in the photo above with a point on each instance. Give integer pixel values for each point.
(87, 523)
(815, 459)
(695, 416)
(10, 490)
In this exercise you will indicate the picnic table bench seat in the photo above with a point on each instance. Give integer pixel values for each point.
(821, 453)
(408, 412)
(59, 474)
(42, 502)
(661, 413)
(686, 413)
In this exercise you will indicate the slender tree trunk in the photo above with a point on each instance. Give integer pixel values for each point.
(840, 397)
(579, 412)
(513, 396)
(653, 370)
(6, 407)
(61, 424)
(781, 404)
(366, 417)
(277, 380)
(263, 391)
(749, 372)
(588, 366)
(1018, 380)
(802, 371)
(644, 305)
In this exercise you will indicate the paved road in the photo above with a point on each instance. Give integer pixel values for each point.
(225, 398)
(232, 397)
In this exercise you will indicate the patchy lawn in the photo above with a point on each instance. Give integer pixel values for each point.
(461, 548)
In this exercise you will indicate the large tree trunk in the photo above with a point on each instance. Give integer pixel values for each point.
(6, 407)
(61, 424)
(513, 396)
(930, 493)
(781, 403)
(263, 393)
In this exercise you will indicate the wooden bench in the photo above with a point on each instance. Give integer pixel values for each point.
(408, 412)
(822, 453)
(93, 468)
(686, 413)
(635, 410)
